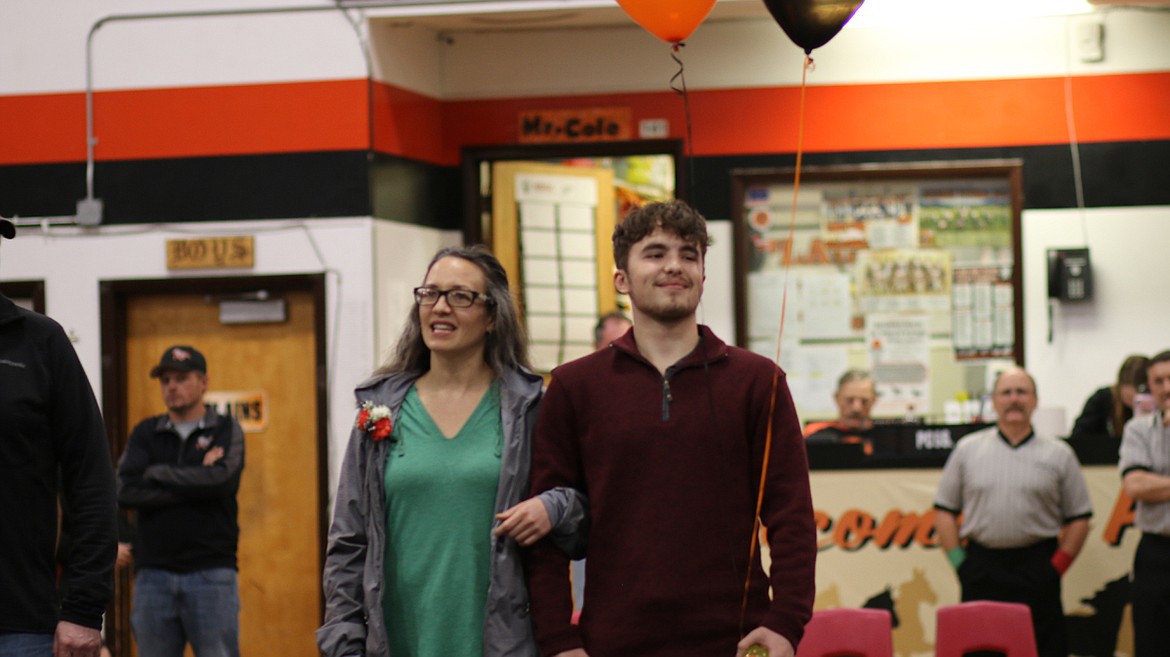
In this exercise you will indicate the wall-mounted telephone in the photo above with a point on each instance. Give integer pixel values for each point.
(1070, 278)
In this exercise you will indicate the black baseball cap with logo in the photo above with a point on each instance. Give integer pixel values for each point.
(7, 228)
(182, 358)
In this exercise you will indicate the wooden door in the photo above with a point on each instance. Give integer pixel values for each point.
(279, 517)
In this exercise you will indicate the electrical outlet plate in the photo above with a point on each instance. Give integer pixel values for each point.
(1089, 39)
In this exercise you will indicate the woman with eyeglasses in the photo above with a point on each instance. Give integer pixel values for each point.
(423, 556)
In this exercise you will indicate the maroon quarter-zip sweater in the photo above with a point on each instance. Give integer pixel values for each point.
(671, 466)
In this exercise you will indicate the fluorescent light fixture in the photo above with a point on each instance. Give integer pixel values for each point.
(903, 13)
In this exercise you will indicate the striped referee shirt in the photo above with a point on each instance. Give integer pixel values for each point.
(1145, 445)
(1013, 496)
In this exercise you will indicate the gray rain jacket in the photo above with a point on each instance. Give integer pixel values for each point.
(354, 577)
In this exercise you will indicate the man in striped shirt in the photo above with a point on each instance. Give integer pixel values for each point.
(1145, 470)
(1025, 509)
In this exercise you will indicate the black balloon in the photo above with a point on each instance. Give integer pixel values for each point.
(812, 23)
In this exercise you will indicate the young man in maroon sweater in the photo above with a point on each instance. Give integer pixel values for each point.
(665, 432)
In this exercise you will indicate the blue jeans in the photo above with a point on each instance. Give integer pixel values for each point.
(20, 644)
(172, 609)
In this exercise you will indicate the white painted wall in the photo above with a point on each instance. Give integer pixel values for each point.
(407, 55)
(1129, 313)
(718, 308)
(403, 253)
(45, 41)
(757, 53)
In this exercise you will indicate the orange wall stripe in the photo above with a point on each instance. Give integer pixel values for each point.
(42, 129)
(1123, 108)
(408, 124)
(331, 115)
(933, 115)
(186, 122)
(235, 120)
(983, 113)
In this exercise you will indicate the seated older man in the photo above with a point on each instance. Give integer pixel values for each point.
(855, 397)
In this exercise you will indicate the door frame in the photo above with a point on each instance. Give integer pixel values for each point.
(34, 290)
(114, 297)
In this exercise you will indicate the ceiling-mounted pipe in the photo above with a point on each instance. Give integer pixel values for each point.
(363, 40)
(90, 139)
(90, 205)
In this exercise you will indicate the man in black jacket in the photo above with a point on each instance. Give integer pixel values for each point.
(57, 478)
(181, 471)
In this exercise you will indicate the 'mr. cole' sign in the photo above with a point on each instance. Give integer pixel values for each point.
(575, 125)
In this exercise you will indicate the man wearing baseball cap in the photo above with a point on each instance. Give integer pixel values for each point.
(58, 478)
(181, 471)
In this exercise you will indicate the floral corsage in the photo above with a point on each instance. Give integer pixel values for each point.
(374, 420)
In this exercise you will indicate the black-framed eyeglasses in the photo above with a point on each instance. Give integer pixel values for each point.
(457, 298)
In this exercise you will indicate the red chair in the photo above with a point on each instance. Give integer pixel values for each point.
(847, 632)
(984, 625)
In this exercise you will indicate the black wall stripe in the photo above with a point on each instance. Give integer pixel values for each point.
(1115, 174)
(417, 193)
(41, 190)
(297, 185)
(347, 183)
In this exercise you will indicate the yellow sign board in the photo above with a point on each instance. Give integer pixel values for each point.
(211, 253)
(249, 407)
(574, 125)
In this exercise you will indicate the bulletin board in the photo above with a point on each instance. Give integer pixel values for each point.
(911, 271)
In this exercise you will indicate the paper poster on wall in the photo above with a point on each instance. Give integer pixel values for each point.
(883, 217)
(770, 222)
(903, 279)
(826, 304)
(899, 356)
(812, 376)
(767, 294)
(983, 315)
(967, 218)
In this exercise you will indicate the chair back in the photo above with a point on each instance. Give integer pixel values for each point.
(985, 625)
(848, 633)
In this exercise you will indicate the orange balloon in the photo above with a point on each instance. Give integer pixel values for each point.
(669, 20)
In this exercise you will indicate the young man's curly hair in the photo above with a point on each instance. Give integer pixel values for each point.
(673, 216)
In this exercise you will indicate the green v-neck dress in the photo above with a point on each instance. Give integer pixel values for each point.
(440, 498)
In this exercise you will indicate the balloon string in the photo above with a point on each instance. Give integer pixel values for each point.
(681, 89)
(755, 538)
(808, 63)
